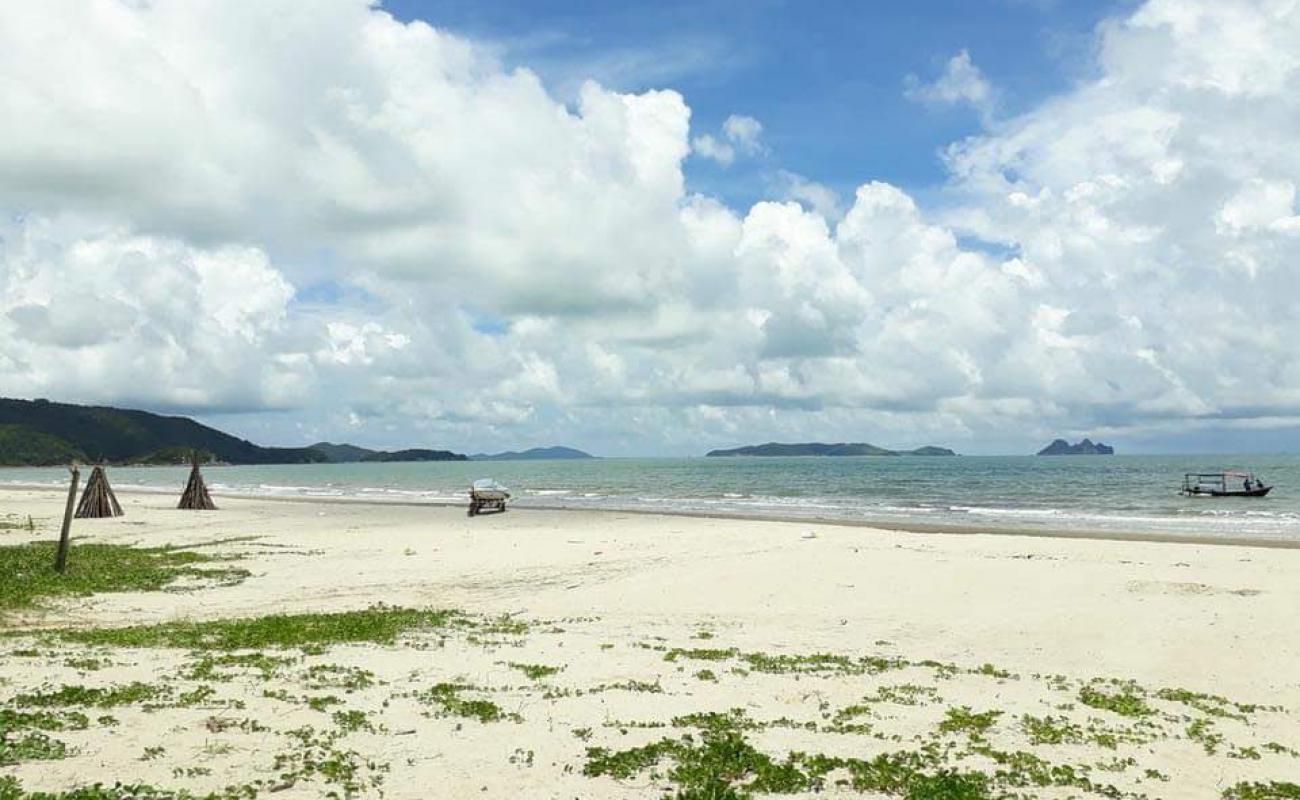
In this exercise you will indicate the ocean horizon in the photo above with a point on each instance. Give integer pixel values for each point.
(1111, 494)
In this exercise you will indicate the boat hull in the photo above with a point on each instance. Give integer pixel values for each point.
(1234, 493)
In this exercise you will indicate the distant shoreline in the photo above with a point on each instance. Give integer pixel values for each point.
(894, 526)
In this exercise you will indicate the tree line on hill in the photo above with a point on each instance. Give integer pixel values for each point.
(44, 433)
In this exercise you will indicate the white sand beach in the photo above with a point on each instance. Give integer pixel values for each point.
(648, 619)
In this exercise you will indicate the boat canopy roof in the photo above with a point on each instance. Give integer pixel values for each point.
(1218, 476)
(1231, 473)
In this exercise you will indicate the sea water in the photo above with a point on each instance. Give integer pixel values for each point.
(1119, 494)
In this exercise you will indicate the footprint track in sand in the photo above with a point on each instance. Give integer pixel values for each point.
(1189, 589)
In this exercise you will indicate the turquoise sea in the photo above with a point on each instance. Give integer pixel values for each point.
(1068, 493)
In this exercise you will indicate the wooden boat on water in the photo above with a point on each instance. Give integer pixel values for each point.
(486, 495)
(1230, 483)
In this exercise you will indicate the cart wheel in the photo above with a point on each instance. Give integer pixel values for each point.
(473, 509)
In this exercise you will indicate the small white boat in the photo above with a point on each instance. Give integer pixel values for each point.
(486, 494)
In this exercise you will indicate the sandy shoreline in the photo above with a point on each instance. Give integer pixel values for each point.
(896, 526)
(612, 594)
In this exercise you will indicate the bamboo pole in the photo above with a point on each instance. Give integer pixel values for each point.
(61, 559)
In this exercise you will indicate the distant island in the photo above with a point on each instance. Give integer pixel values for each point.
(38, 433)
(1060, 447)
(820, 449)
(533, 454)
(416, 454)
(351, 454)
(342, 453)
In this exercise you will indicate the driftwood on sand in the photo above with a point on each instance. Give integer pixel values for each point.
(98, 499)
(196, 495)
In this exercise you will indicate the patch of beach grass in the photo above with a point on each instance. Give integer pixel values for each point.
(1051, 730)
(318, 757)
(378, 624)
(1127, 699)
(446, 697)
(91, 697)
(24, 737)
(974, 724)
(1210, 704)
(93, 568)
(1202, 732)
(352, 720)
(334, 676)
(787, 663)
(11, 789)
(321, 703)
(30, 746)
(535, 672)
(633, 685)
(1273, 790)
(718, 761)
(87, 663)
(904, 694)
(226, 667)
(701, 654)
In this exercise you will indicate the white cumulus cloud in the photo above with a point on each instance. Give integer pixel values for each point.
(245, 207)
(740, 135)
(961, 83)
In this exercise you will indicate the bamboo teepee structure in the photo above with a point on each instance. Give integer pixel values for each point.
(98, 499)
(196, 495)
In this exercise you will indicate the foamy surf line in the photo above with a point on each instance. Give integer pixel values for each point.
(987, 525)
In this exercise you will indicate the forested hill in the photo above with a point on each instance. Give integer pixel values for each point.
(39, 432)
(533, 454)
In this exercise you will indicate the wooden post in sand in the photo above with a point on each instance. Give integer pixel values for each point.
(61, 559)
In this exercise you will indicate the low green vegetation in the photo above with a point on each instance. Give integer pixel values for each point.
(24, 736)
(378, 624)
(333, 676)
(87, 663)
(317, 756)
(29, 575)
(352, 720)
(906, 694)
(718, 762)
(30, 746)
(446, 698)
(1051, 730)
(1209, 704)
(535, 672)
(92, 697)
(321, 703)
(974, 724)
(11, 789)
(700, 654)
(227, 666)
(1263, 791)
(649, 687)
(1203, 732)
(1098, 738)
(1125, 699)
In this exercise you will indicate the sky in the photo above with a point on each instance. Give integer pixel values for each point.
(659, 228)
